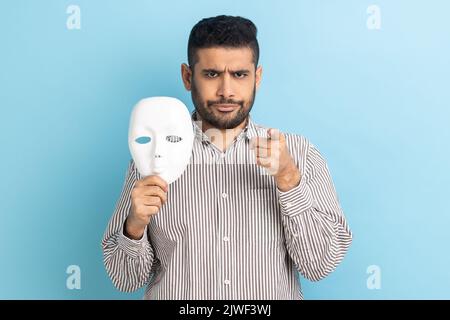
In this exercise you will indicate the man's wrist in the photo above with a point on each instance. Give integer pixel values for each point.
(288, 178)
(132, 232)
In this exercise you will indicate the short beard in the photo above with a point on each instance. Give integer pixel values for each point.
(203, 109)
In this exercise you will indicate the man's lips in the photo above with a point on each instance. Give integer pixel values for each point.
(225, 107)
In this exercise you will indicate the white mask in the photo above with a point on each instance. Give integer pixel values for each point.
(161, 137)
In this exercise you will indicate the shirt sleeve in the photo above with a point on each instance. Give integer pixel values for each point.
(316, 232)
(128, 262)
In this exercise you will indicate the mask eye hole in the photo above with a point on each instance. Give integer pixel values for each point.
(173, 139)
(143, 140)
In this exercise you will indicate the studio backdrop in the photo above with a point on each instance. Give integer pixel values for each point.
(367, 82)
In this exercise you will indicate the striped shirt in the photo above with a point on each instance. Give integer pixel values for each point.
(227, 231)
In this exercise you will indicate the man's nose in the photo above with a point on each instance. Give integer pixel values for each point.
(226, 87)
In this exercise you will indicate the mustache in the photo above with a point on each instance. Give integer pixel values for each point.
(225, 101)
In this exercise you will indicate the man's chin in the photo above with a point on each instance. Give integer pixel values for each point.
(223, 119)
(228, 124)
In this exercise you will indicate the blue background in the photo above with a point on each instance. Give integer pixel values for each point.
(375, 103)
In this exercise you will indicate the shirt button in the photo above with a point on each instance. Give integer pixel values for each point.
(224, 195)
(289, 204)
(226, 239)
(227, 282)
(222, 155)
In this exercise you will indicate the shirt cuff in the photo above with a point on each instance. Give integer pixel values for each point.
(134, 248)
(296, 200)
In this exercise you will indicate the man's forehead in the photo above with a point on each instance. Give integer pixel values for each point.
(221, 58)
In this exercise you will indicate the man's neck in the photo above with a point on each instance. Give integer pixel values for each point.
(222, 138)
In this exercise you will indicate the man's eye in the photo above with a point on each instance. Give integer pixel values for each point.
(211, 74)
(174, 139)
(240, 75)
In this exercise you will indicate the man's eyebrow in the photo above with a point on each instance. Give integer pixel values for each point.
(240, 71)
(231, 71)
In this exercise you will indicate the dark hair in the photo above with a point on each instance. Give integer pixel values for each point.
(223, 31)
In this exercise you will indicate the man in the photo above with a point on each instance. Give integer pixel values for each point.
(253, 207)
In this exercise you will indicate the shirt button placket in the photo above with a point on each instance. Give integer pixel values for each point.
(224, 227)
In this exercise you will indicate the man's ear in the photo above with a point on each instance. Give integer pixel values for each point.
(258, 76)
(186, 76)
